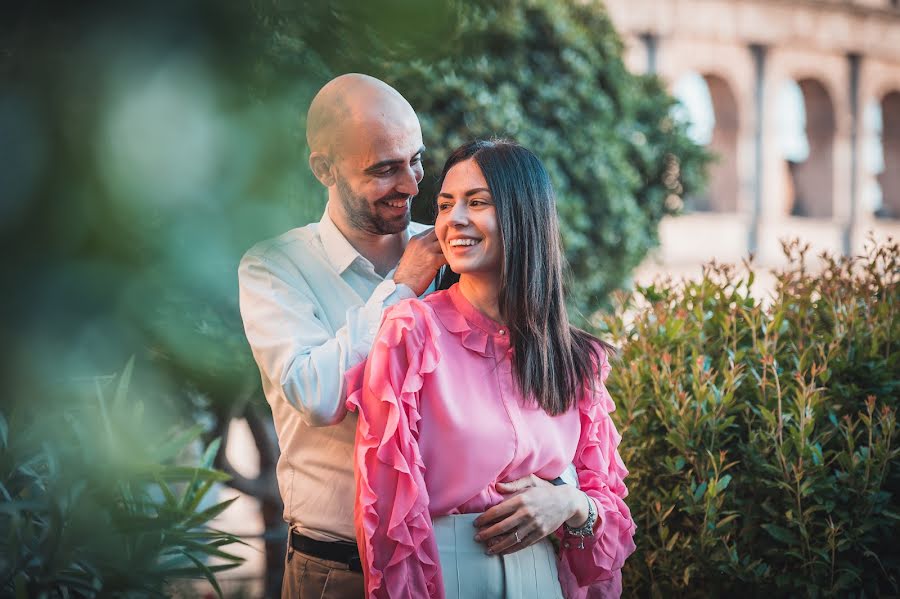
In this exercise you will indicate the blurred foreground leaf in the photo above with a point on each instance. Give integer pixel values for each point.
(87, 511)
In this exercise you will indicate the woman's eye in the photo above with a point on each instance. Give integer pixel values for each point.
(444, 206)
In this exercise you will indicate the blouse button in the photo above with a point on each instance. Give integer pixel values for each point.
(502, 332)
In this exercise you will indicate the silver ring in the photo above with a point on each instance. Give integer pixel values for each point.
(516, 532)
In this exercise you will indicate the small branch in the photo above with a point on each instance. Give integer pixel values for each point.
(258, 488)
(263, 430)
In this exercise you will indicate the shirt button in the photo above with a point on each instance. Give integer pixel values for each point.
(502, 332)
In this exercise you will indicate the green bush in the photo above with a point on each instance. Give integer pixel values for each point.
(93, 505)
(761, 434)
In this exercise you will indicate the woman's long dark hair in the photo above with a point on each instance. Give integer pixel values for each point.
(552, 358)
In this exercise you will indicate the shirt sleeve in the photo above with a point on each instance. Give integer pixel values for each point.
(393, 526)
(295, 351)
(601, 474)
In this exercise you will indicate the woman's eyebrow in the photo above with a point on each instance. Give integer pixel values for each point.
(471, 192)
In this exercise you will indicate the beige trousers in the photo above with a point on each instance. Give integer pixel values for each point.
(308, 577)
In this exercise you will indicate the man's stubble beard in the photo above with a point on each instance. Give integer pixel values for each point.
(363, 216)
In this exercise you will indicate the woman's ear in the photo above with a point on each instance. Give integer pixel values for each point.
(321, 165)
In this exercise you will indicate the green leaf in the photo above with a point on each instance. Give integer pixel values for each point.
(176, 444)
(209, 455)
(4, 431)
(672, 541)
(210, 513)
(207, 573)
(209, 549)
(726, 520)
(699, 491)
(123, 384)
(781, 534)
(179, 473)
(722, 484)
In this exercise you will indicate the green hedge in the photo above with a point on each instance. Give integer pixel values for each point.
(761, 433)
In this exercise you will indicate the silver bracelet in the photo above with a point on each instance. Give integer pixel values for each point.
(586, 529)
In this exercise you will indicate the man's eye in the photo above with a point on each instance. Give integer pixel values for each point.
(416, 159)
(384, 172)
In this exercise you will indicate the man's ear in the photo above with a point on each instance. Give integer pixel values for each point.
(321, 168)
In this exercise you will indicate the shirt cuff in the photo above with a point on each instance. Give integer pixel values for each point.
(400, 293)
(387, 293)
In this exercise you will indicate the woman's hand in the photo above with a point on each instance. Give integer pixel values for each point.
(535, 508)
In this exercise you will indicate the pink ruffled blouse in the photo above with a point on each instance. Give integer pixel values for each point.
(441, 422)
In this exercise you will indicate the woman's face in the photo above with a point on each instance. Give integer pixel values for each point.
(466, 223)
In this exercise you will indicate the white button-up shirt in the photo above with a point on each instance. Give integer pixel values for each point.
(311, 306)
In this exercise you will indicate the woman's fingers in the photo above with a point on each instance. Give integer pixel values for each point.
(506, 525)
(497, 513)
(525, 540)
(534, 512)
(520, 484)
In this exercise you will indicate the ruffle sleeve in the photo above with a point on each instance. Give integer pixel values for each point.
(595, 570)
(393, 526)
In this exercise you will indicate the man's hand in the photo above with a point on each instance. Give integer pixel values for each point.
(420, 262)
(535, 508)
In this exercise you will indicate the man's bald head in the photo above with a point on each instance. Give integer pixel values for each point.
(350, 104)
(366, 148)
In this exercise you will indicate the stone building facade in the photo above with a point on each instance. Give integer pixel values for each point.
(844, 55)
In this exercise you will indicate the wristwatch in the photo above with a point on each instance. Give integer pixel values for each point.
(586, 529)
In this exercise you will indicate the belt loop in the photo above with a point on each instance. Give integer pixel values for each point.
(290, 546)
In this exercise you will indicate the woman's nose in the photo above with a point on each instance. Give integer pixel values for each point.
(459, 215)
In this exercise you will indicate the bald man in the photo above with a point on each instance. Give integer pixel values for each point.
(311, 301)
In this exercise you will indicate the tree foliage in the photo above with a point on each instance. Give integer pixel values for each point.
(761, 435)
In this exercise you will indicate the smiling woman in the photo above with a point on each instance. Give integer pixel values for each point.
(491, 368)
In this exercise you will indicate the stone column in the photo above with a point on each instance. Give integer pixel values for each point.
(758, 51)
(850, 241)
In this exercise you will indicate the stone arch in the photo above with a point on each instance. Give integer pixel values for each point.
(723, 180)
(711, 106)
(811, 181)
(889, 178)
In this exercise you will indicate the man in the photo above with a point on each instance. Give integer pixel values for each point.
(312, 301)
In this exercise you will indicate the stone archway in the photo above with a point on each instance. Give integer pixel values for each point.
(889, 179)
(723, 179)
(812, 179)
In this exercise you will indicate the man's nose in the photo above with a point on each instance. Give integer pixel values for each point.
(409, 182)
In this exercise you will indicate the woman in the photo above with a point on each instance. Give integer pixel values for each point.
(479, 385)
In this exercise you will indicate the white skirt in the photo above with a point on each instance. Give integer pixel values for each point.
(469, 573)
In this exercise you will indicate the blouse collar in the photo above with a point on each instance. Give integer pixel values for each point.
(459, 316)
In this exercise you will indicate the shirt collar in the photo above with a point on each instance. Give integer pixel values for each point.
(338, 250)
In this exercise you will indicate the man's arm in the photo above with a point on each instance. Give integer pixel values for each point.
(294, 349)
(292, 346)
